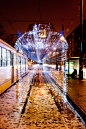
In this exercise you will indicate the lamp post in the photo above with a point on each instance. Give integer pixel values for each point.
(81, 41)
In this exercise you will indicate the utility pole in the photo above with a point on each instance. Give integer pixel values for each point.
(81, 42)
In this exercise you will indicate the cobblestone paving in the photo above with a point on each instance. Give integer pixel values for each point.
(41, 111)
(77, 90)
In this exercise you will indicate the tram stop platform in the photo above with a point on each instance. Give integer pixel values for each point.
(41, 111)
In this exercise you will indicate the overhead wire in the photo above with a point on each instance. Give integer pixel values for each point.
(8, 21)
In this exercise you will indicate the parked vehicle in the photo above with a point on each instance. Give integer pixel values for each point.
(13, 65)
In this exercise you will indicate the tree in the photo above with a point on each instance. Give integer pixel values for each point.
(9, 38)
(3, 34)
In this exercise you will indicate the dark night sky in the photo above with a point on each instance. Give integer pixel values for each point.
(51, 10)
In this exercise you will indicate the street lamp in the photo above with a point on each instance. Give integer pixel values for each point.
(62, 38)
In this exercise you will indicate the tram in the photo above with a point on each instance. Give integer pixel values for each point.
(13, 66)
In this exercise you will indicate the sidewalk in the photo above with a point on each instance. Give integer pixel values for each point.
(76, 90)
(76, 95)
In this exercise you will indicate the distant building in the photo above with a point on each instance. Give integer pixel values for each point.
(73, 54)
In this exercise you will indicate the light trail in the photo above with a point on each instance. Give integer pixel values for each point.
(42, 43)
(40, 78)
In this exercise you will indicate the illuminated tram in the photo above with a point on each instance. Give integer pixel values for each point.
(39, 44)
(13, 66)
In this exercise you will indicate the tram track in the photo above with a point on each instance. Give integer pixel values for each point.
(25, 103)
(28, 94)
(55, 96)
(76, 109)
(53, 89)
(48, 110)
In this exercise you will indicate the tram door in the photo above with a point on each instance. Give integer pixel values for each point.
(12, 60)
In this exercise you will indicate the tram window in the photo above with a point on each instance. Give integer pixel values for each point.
(3, 57)
(0, 57)
(14, 59)
(26, 64)
(22, 60)
(8, 58)
(19, 60)
(27, 61)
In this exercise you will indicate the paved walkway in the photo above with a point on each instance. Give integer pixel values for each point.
(77, 90)
(74, 88)
(41, 111)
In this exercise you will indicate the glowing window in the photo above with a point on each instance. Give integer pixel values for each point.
(19, 60)
(3, 57)
(42, 33)
(0, 56)
(14, 59)
(22, 60)
(8, 58)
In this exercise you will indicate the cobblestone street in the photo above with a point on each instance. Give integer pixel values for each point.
(41, 110)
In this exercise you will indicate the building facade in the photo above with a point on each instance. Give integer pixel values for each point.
(73, 54)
